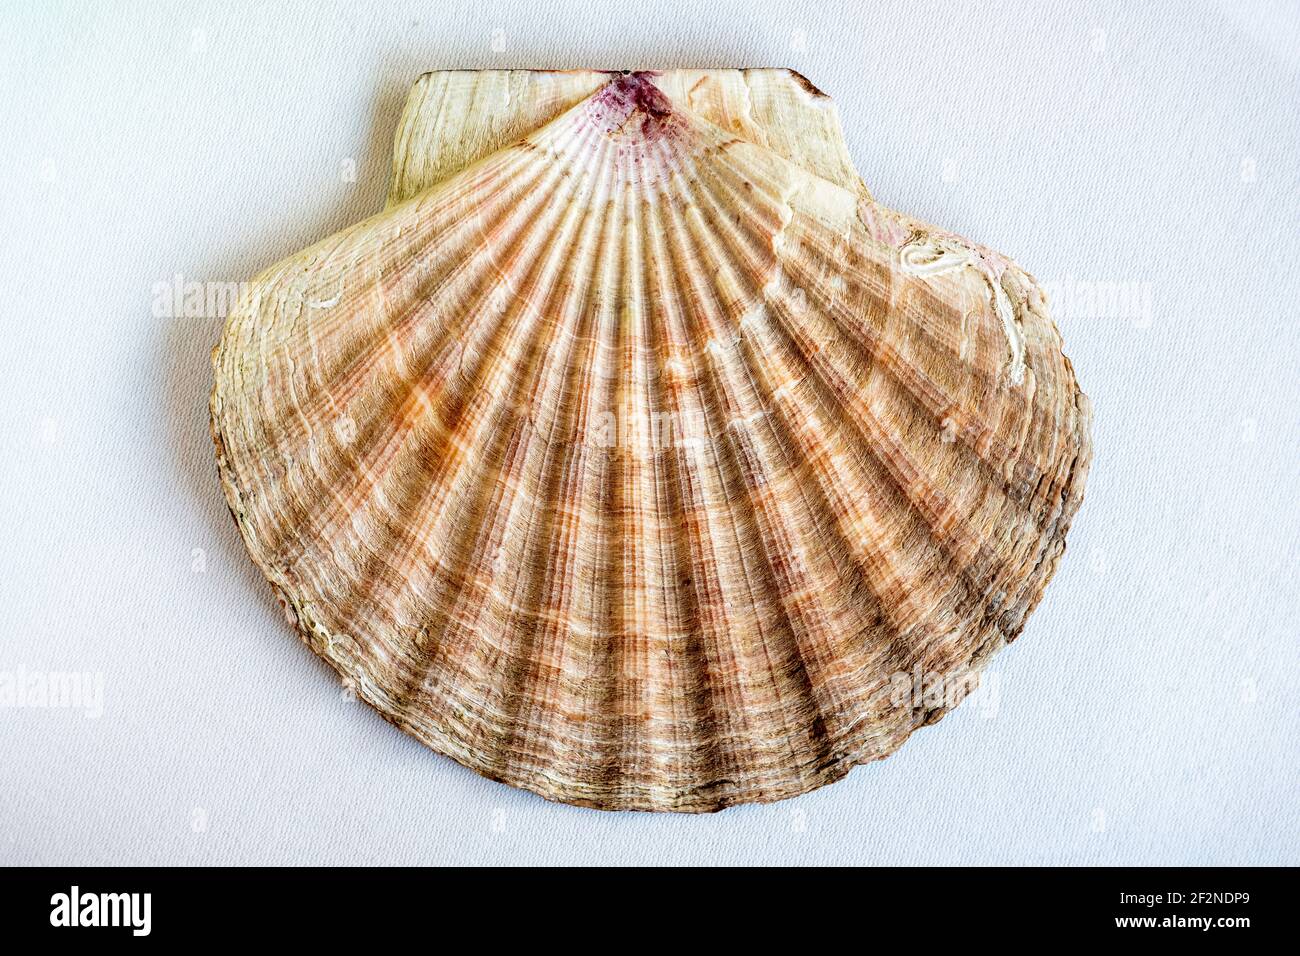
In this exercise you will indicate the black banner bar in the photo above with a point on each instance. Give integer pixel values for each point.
(301, 906)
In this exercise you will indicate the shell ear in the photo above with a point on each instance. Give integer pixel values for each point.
(454, 118)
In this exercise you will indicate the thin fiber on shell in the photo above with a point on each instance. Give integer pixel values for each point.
(629, 456)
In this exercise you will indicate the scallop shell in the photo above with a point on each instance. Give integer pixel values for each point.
(634, 454)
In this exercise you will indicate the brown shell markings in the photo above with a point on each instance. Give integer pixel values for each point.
(630, 461)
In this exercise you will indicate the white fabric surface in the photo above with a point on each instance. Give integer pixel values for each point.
(1149, 712)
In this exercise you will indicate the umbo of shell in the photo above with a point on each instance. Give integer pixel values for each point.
(634, 450)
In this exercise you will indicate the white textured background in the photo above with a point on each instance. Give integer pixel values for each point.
(1149, 712)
